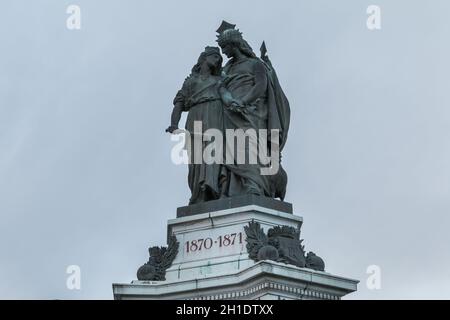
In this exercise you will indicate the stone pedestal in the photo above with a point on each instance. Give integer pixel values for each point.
(213, 263)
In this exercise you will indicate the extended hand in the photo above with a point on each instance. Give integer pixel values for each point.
(238, 106)
(171, 129)
(235, 107)
(237, 103)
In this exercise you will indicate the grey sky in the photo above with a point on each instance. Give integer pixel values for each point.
(85, 170)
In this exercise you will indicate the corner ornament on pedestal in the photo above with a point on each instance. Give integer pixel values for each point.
(281, 244)
(160, 260)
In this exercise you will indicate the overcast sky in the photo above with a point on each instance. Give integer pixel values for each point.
(85, 172)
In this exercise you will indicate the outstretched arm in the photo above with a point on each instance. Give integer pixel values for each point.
(178, 107)
(175, 118)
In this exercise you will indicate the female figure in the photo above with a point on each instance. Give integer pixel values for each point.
(200, 97)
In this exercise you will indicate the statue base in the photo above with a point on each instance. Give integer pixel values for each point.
(213, 261)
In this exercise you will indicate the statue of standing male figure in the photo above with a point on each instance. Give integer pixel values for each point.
(244, 95)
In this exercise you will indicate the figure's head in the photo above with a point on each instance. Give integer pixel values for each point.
(231, 42)
(213, 60)
(229, 50)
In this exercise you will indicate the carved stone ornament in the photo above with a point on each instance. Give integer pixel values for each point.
(160, 260)
(281, 244)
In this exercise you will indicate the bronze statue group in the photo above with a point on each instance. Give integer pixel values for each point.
(244, 94)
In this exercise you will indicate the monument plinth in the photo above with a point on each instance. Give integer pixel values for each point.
(215, 258)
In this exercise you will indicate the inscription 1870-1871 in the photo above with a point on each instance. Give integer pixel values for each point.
(220, 241)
